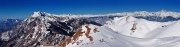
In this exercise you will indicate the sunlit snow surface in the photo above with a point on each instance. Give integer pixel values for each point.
(118, 33)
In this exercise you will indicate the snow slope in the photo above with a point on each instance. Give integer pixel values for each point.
(144, 28)
(119, 33)
(114, 39)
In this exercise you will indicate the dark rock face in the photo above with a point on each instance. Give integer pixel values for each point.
(71, 26)
(36, 31)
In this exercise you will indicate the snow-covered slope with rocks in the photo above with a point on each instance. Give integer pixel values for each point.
(126, 32)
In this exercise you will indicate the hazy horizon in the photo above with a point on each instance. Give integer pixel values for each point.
(22, 9)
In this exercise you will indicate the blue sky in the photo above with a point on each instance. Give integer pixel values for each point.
(24, 8)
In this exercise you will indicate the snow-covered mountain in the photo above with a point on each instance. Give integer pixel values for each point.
(42, 29)
(8, 23)
(128, 29)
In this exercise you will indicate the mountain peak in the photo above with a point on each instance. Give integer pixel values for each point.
(163, 10)
(38, 13)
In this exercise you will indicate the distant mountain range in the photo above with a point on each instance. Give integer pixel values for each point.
(8, 23)
(128, 29)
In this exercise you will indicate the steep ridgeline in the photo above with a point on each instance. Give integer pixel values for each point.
(42, 29)
(8, 23)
